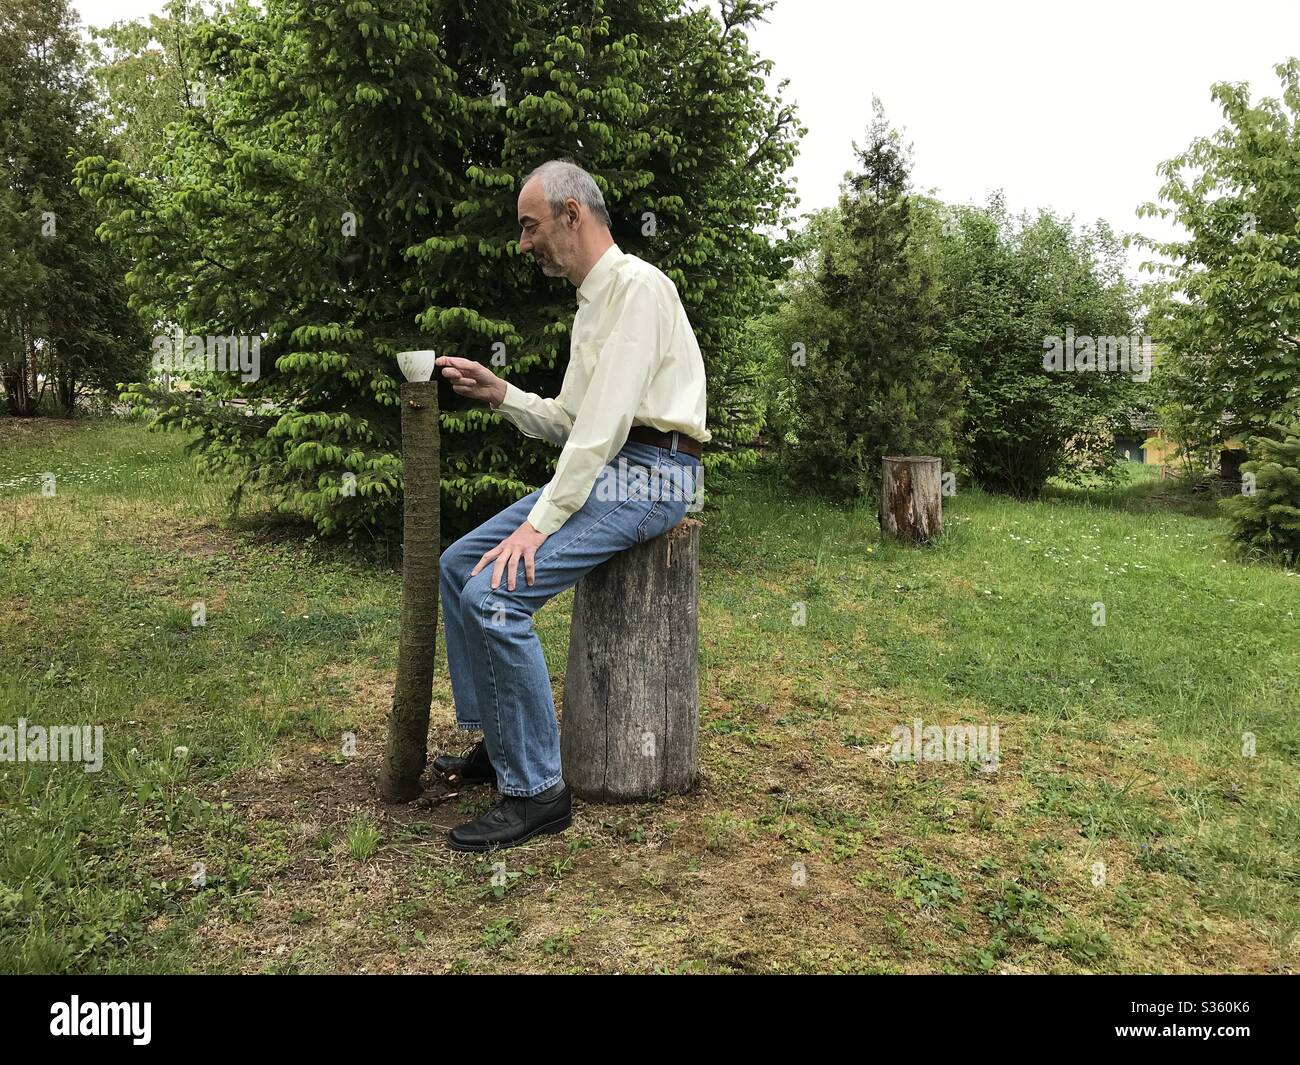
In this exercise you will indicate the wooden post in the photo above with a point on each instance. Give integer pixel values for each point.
(911, 498)
(631, 690)
(408, 721)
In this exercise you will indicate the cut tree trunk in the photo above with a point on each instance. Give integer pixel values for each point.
(408, 721)
(911, 498)
(631, 689)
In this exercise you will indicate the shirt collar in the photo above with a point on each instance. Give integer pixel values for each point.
(599, 274)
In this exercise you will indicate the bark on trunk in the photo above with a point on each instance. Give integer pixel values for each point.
(631, 689)
(911, 498)
(65, 387)
(20, 378)
(408, 722)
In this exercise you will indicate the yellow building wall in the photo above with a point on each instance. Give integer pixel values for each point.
(1160, 451)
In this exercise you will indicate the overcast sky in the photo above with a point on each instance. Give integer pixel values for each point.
(1062, 105)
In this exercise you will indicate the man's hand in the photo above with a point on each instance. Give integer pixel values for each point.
(473, 379)
(523, 542)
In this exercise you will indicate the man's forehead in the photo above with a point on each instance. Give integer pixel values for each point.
(528, 205)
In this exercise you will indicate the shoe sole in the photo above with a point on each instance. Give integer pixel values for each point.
(550, 828)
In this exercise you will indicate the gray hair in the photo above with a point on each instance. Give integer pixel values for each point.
(563, 180)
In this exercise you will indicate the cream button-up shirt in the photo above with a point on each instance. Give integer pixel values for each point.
(633, 360)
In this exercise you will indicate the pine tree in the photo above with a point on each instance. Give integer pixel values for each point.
(1266, 515)
(866, 377)
(347, 187)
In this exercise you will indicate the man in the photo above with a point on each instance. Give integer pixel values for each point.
(632, 397)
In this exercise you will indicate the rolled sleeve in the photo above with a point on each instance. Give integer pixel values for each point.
(626, 365)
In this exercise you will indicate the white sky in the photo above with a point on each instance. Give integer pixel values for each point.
(1062, 105)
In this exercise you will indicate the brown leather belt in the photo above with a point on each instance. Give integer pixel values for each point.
(644, 434)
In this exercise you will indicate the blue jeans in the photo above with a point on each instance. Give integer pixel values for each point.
(498, 673)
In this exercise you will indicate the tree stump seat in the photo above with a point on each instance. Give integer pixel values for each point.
(631, 705)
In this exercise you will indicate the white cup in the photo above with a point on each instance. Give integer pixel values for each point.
(417, 365)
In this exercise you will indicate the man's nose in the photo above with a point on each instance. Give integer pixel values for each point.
(524, 243)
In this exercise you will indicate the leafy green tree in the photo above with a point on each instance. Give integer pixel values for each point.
(1007, 285)
(862, 374)
(1227, 304)
(346, 186)
(1180, 389)
(145, 74)
(64, 319)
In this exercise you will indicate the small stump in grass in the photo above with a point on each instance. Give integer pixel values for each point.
(911, 498)
(631, 689)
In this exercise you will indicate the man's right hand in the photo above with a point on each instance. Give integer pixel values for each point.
(473, 379)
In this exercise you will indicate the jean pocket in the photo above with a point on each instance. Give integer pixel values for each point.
(677, 481)
(662, 516)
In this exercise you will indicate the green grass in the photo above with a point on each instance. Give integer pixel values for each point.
(1124, 830)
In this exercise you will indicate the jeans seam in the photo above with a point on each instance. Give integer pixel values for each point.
(487, 653)
(451, 615)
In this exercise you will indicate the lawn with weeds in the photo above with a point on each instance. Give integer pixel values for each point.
(1141, 815)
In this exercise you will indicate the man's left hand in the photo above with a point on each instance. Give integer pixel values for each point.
(522, 543)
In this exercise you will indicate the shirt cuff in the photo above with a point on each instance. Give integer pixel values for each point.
(513, 401)
(546, 517)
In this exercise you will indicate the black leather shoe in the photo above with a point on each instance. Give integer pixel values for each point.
(472, 767)
(514, 820)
